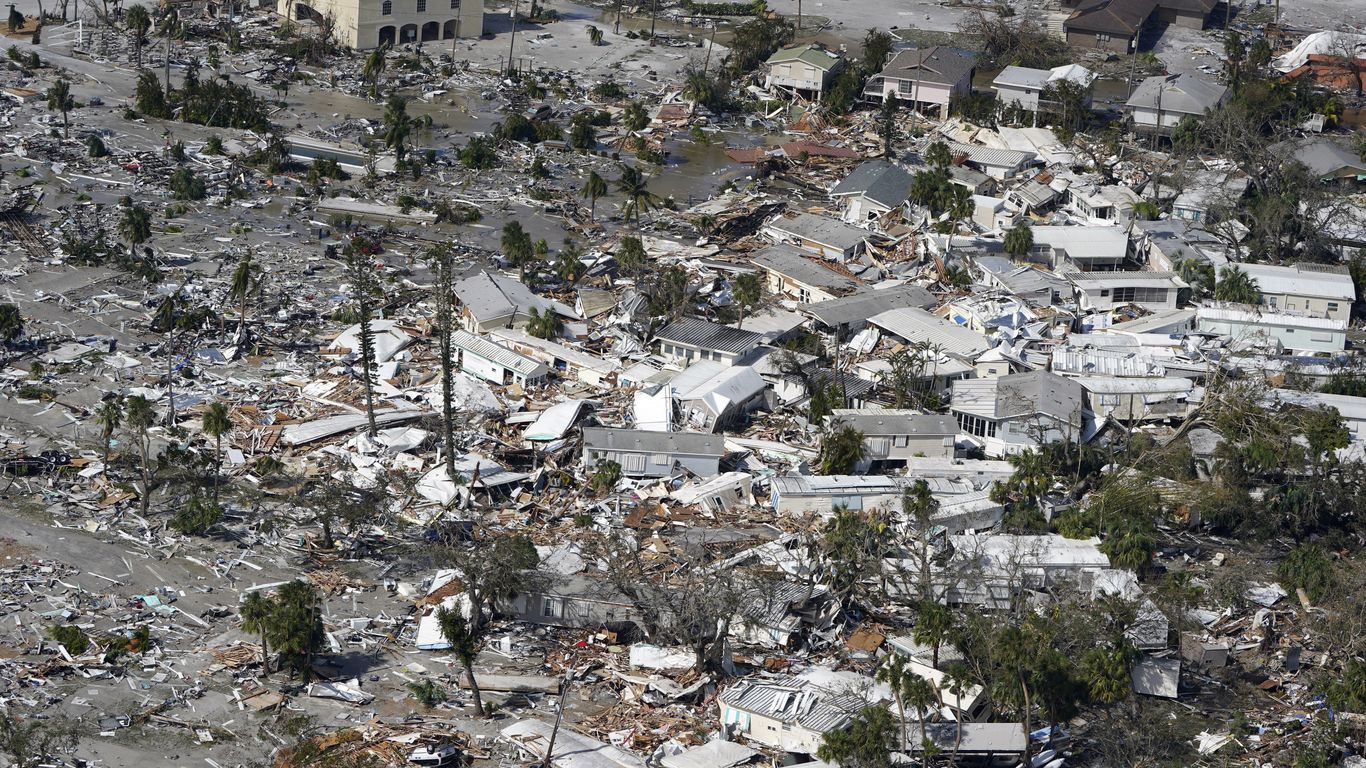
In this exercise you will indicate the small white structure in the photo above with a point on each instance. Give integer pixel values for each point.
(496, 363)
(1293, 331)
(1022, 86)
(1103, 291)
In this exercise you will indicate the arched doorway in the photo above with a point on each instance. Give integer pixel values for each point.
(306, 13)
(386, 35)
(449, 30)
(431, 31)
(408, 34)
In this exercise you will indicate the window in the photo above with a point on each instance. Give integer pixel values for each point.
(1102, 37)
(659, 458)
(1109, 399)
(547, 607)
(633, 463)
(1140, 295)
(975, 425)
(455, 5)
(1332, 306)
(1321, 337)
(386, 8)
(421, 6)
(1271, 300)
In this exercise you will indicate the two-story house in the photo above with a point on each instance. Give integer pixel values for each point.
(803, 70)
(925, 78)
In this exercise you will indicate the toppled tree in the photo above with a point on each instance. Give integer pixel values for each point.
(28, 742)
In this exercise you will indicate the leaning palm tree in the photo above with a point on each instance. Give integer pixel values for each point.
(634, 117)
(373, 69)
(636, 187)
(593, 188)
(398, 125)
(59, 99)
(216, 424)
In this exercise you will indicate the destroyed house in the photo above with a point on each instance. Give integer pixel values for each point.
(692, 338)
(496, 363)
(872, 189)
(1280, 329)
(573, 600)
(1020, 411)
(989, 570)
(712, 395)
(917, 326)
(567, 362)
(489, 300)
(804, 278)
(851, 313)
(779, 615)
(822, 494)
(653, 454)
(794, 713)
(822, 236)
(892, 435)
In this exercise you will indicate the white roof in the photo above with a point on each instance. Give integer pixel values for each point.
(1301, 280)
(388, 340)
(914, 324)
(1261, 316)
(1331, 42)
(496, 353)
(1084, 242)
(1049, 550)
(555, 421)
(572, 750)
(713, 754)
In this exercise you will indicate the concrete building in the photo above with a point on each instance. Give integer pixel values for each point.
(365, 24)
(925, 77)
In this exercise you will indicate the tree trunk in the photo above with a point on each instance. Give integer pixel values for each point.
(265, 652)
(474, 689)
(217, 466)
(1024, 718)
(146, 500)
(170, 383)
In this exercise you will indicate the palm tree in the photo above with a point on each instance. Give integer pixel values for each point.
(373, 68)
(747, 290)
(918, 693)
(933, 627)
(1237, 286)
(635, 186)
(138, 22)
(892, 672)
(109, 417)
(136, 225)
(938, 155)
(1031, 478)
(634, 117)
(139, 418)
(397, 125)
(1106, 673)
(169, 314)
(59, 99)
(256, 614)
(246, 281)
(1019, 240)
(464, 642)
(517, 247)
(593, 188)
(544, 325)
(699, 88)
(216, 424)
(841, 448)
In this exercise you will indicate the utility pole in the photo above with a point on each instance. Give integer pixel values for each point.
(559, 712)
(617, 28)
(654, 13)
(799, 17)
(513, 40)
(456, 38)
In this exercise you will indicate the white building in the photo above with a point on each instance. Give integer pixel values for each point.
(805, 70)
(496, 363)
(364, 24)
(1103, 291)
(1022, 86)
(1291, 331)
(1325, 290)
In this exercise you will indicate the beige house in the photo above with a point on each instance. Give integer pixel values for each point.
(363, 24)
(803, 69)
